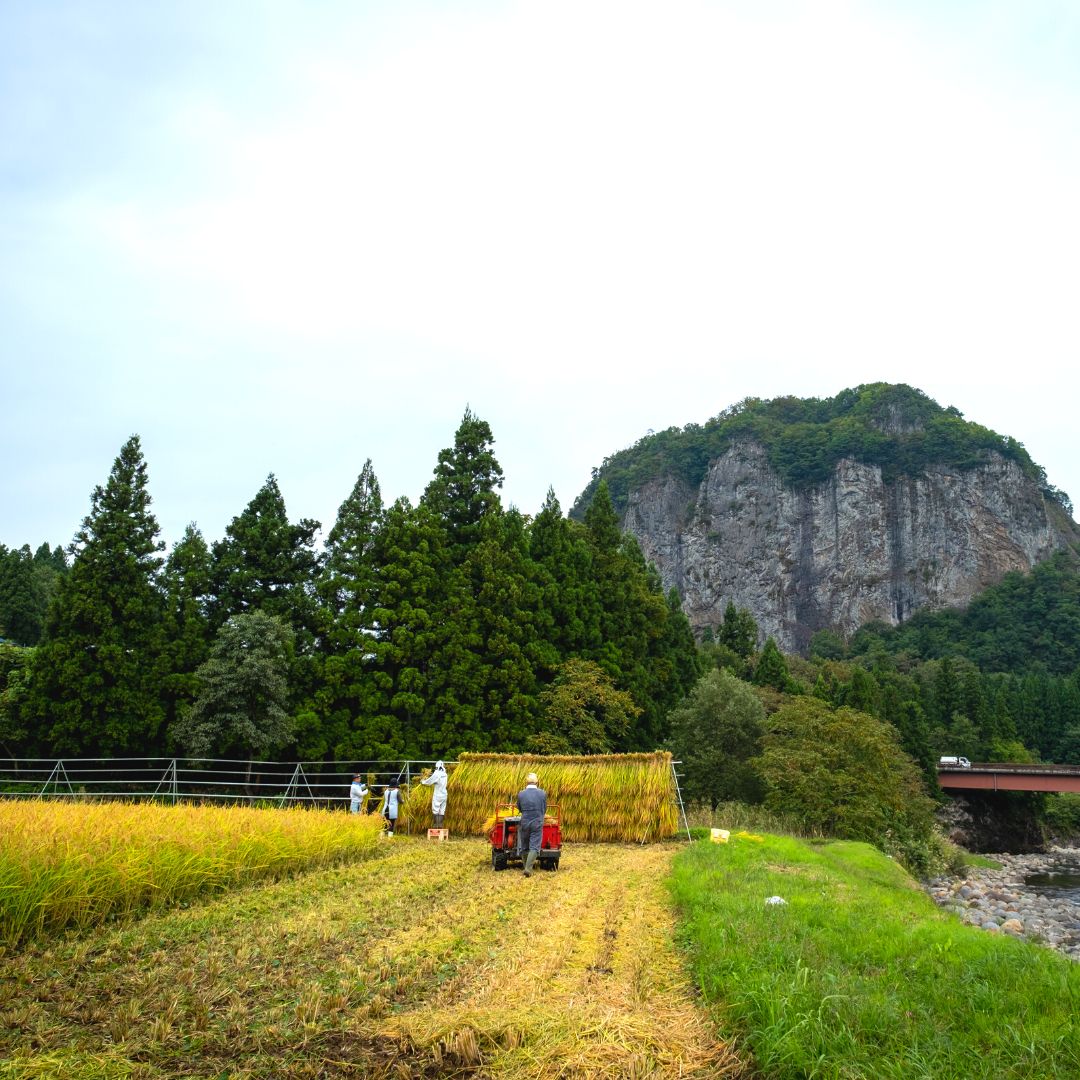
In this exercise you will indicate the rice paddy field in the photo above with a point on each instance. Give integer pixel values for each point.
(79, 864)
(416, 961)
(310, 946)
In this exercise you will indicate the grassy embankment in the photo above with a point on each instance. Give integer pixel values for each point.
(78, 864)
(859, 975)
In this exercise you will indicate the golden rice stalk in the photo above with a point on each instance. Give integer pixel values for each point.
(602, 797)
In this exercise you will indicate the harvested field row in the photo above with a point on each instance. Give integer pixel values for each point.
(422, 962)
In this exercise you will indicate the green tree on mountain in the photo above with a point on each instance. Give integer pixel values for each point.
(738, 631)
(771, 668)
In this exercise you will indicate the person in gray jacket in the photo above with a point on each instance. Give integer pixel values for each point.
(532, 806)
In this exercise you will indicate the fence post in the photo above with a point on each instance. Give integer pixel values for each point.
(678, 792)
(298, 777)
(58, 773)
(169, 780)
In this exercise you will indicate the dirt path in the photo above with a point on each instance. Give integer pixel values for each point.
(423, 962)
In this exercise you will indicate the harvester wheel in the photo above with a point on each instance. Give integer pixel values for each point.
(498, 859)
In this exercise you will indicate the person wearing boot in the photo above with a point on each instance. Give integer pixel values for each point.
(532, 805)
(437, 782)
(390, 804)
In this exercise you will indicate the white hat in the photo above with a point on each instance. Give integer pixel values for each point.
(531, 778)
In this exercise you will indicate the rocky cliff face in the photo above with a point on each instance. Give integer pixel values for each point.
(850, 550)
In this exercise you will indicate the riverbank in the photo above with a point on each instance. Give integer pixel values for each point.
(998, 900)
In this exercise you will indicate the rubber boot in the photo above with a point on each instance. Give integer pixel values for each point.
(530, 858)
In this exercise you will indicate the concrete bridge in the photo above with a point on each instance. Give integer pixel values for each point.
(1009, 776)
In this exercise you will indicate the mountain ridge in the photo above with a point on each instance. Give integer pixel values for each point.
(881, 504)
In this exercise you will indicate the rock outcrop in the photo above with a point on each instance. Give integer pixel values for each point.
(853, 549)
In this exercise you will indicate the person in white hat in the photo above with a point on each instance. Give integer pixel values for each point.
(532, 805)
(437, 782)
(357, 793)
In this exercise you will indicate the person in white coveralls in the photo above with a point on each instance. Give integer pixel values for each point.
(437, 782)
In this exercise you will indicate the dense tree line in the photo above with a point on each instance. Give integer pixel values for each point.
(1028, 622)
(27, 584)
(421, 631)
(895, 427)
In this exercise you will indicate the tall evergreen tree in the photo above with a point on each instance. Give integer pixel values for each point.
(568, 600)
(771, 669)
(187, 583)
(96, 676)
(14, 670)
(347, 692)
(424, 671)
(27, 585)
(603, 523)
(266, 563)
(502, 608)
(739, 631)
(464, 489)
(633, 619)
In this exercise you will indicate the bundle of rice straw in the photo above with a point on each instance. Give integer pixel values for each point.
(601, 797)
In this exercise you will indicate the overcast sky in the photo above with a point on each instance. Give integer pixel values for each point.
(286, 237)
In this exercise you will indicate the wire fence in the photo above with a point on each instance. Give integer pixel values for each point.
(280, 783)
(216, 780)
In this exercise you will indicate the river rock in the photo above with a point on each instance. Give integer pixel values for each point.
(998, 901)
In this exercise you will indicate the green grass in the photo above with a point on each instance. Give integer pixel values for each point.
(981, 860)
(735, 816)
(859, 975)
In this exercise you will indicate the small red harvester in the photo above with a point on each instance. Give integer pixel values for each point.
(503, 835)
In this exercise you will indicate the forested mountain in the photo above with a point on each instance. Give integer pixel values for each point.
(819, 514)
(1025, 623)
(418, 631)
(895, 427)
